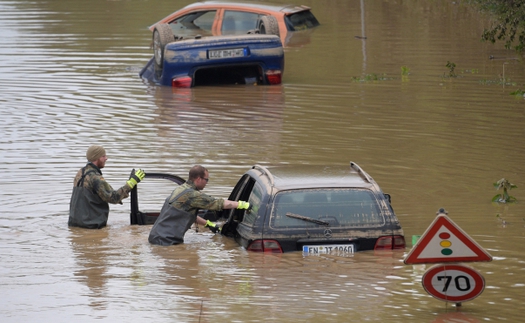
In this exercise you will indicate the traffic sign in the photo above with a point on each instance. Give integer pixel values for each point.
(444, 241)
(453, 283)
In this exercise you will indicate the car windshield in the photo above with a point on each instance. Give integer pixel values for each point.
(336, 207)
(301, 20)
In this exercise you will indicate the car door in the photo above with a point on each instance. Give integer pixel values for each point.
(142, 218)
(235, 22)
(230, 226)
(201, 22)
(246, 225)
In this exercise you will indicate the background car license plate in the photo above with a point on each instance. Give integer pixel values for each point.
(226, 53)
(335, 248)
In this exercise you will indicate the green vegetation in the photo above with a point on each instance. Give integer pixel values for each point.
(500, 81)
(405, 71)
(451, 73)
(373, 77)
(508, 24)
(504, 197)
(370, 78)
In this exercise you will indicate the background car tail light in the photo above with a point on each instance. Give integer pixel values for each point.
(390, 242)
(184, 81)
(265, 246)
(273, 76)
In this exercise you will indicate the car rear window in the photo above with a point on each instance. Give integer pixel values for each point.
(340, 208)
(301, 20)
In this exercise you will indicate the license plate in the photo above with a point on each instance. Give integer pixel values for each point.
(333, 248)
(226, 53)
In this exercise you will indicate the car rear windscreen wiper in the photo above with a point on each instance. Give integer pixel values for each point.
(305, 218)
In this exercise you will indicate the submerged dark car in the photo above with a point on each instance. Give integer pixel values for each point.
(311, 209)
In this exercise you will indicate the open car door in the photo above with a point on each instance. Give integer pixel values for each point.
(143, 218)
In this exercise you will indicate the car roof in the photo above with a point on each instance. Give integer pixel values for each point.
(288, 177)
(267, 6)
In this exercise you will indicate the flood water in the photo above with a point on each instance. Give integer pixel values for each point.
(68, 79)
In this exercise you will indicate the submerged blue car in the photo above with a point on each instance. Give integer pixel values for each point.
(256, 59)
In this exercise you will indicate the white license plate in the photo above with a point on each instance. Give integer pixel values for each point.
(226, 53)
(333, 248)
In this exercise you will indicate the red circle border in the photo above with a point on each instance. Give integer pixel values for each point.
(427, 283)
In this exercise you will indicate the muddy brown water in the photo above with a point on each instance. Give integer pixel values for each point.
(68, 79)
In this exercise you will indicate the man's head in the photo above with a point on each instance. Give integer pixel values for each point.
(97, 155)
(199, 176)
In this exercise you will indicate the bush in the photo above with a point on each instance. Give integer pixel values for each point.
(508, 24)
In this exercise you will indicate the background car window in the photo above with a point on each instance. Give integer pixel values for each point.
(255, 201)
(301, 20)
(238, 22)
(195, 21)
(340, 208)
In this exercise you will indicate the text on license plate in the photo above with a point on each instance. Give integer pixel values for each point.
(335, 248)
(226, 53)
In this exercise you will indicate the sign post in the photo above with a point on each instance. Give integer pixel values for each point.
(445, 242)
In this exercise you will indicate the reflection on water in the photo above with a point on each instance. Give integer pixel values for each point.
(70, 79)
(251, 124)
(91, 250)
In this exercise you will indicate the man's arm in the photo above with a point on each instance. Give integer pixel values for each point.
(108, 194)
(230, 205)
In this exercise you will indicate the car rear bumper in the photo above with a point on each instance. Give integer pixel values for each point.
(184, 58)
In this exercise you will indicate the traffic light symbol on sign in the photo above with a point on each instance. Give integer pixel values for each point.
(445, 243)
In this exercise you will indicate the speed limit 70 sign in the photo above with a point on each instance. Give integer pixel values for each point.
(453, 283)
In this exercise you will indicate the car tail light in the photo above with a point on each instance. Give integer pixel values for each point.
(390, 242)
(184, 81)
(265, 246)
(273, 76)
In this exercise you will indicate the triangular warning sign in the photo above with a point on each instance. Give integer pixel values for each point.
(444, 241)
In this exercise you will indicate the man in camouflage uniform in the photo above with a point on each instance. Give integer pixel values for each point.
(181, 207)
(89, 206)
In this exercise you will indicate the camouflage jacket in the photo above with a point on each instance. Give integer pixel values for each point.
(98, 185)
(193, 199)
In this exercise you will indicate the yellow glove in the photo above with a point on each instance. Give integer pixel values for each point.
(243, 205)
(134, 179)
(212, 226)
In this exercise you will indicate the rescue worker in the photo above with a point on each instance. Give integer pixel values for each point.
(180, 209)
(89, 206)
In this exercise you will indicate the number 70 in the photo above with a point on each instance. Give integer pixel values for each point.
(459, 282)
